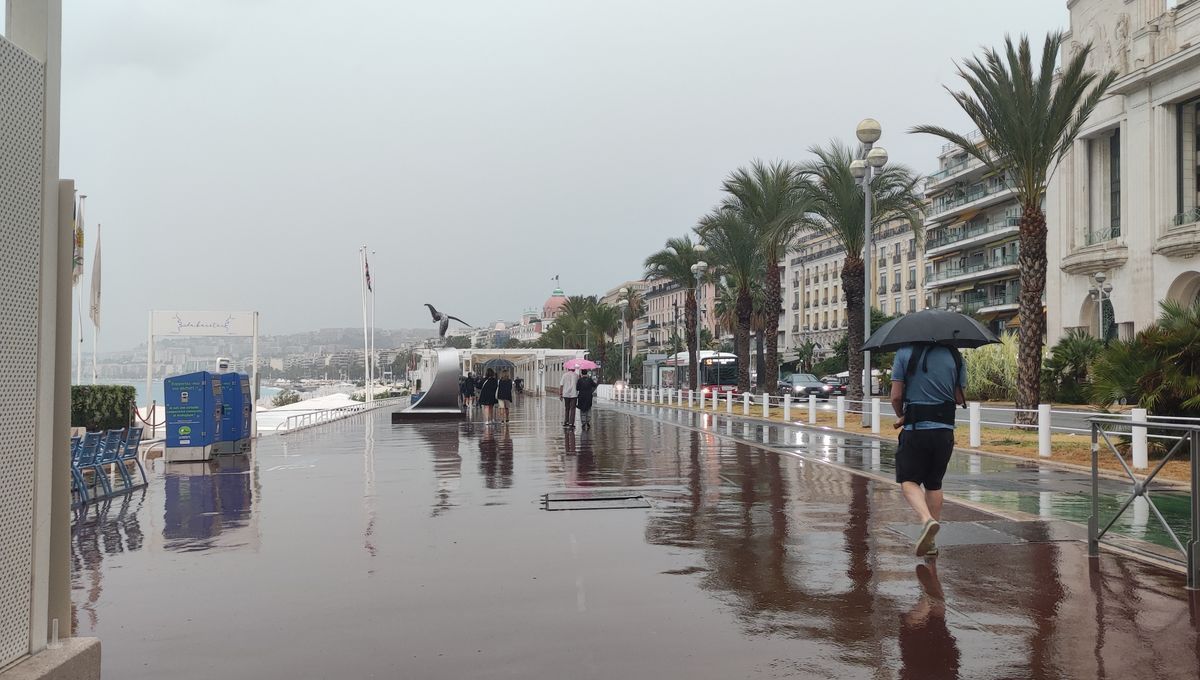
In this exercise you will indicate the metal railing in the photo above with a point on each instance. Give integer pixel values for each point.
(975, 268)
(1187, 439)
(954, 235)
(308, 419)
(1186, 217)
(976, 193)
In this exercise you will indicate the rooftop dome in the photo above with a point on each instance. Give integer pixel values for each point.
(554, 304)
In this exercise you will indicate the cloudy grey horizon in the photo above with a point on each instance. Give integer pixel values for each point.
(239, 152)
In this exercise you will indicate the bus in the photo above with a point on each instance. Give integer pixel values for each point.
(718, 370)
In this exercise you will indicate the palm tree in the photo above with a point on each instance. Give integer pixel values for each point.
(635, 307)
(838, 210)
(603, 323)
(771, 198)
(733, 248)
(1028, 120)
(674, 263)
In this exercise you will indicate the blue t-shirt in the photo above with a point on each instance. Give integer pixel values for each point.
(935, 386)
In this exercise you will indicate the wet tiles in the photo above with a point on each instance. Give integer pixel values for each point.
(1005, 532)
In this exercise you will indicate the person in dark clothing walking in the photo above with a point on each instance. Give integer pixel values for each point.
(487, 395)
(587, 389)
(466, 389)
(505, 394)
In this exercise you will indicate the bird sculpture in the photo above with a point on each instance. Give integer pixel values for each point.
(442, 319)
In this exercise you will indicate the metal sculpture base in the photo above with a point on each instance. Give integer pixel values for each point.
(440, 401)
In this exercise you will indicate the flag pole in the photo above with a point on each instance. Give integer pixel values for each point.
(79, 298)
(95, 303)
(374, 356)
(362, 280)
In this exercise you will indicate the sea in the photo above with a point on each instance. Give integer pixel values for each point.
(156, 392)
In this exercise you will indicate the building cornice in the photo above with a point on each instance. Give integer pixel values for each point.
(1100, 257)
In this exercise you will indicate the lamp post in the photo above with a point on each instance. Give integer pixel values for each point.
(868, 132)
(675, 330)
(623, 305)
(1102, 291)
(952, 304)
(698, 270)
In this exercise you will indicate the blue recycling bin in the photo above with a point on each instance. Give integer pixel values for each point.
(194, 408)
(235, 414)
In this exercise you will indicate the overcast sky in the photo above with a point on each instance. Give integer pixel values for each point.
(238, 152)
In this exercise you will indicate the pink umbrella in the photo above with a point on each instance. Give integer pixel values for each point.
(573, 364)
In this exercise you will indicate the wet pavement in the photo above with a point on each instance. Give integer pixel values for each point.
(362, 549)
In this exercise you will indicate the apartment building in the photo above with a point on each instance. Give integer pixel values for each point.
(972, 219)
(665, 303)
(814, 307)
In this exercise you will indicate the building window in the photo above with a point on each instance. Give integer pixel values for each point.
(1187, 178)
(883, 306)
(882, 280)
(912, 275)
(912, 303)
(1114, 182)
(896, 305)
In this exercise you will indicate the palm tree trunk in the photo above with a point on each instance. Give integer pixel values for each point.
(689, 336)
(768, 376)
(760, 361)
(1032, 263)
(852, 285)
(745, 309)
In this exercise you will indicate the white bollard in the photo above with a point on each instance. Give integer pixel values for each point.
(875, 415)
(691, 398)
(1044, 430)
(1141, 454)
(746, 404)
(766, 404)
(973, 409)
(812, 409)
(787, 407)
(841, 412)
(729, 401)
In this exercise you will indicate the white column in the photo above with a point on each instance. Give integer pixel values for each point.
(1141, 458)
(691, 398)
(812, 409)
(729, 402)
(746, 404)
(841, 412)
(766, 405)
(787, 407)
(254, 381)
(875, 415)
(976, 435)
(1044, 430)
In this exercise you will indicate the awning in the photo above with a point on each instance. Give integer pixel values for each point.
(965, 288)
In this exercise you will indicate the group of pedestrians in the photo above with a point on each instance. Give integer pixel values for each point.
(487, 393)
(577, 391)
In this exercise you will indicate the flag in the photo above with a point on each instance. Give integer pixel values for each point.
(77, 251)
(367, 272)
(94, 312)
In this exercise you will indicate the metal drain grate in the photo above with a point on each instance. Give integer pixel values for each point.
(610, 499)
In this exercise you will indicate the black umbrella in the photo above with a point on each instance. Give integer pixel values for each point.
(932, 326)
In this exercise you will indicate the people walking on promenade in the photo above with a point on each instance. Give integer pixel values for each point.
(569, 392)
(487, 395)
(504, 393)
(586, 387)
(927, 384)
(466, 389)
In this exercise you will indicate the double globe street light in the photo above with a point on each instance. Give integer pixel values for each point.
(623, 305)
(1101, 292)
(698, 270)
(864, 170)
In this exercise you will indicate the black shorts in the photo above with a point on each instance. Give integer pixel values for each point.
(923, 455)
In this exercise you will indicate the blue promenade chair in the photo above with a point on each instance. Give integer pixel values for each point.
(108, 454)
(129, 454)
(83, 461)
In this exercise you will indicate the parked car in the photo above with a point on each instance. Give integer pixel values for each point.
(800, 385)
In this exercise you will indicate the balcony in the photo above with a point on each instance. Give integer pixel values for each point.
(910, 254)
(825, 301)
(986, 267)
(977, 303)
(975, 196)
(795, 329)
(896, 287)
(795, 305)
(911, 285)
(996, 227)
(896, 258)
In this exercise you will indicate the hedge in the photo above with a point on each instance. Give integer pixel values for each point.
(101, 407)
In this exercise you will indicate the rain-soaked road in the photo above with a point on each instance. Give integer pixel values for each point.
(362, 549)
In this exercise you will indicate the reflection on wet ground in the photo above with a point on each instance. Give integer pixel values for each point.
(363, 549)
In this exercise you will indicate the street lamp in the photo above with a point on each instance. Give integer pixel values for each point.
(1101, 291)
(623, 305)
(868, 132)
(698, 270)
(675, 331)
(952, 304)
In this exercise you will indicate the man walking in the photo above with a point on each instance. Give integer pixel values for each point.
(569, 393)
(927, 385)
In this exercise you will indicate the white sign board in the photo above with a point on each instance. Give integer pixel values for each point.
(197, 324)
